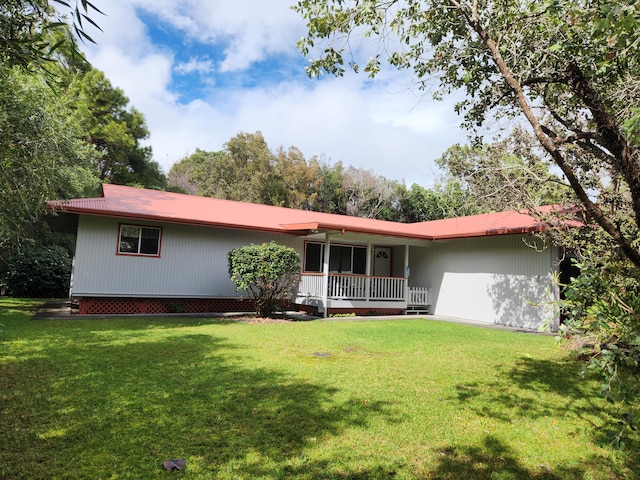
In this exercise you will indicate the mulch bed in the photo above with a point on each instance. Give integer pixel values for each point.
(257, 320)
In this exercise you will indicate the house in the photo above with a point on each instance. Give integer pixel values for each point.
(147, 251)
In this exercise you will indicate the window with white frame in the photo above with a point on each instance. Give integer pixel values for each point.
(139, 240)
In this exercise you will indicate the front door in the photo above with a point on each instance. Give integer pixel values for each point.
(382, 261)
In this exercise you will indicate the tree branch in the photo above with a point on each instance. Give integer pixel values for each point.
(550, 146)
(627, 159)
(544, 80)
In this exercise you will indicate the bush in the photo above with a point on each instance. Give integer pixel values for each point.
(270, 274)
(42, 272)
(602, 319)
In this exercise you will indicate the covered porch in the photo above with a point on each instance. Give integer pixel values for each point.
(359, 274)
(360, 292)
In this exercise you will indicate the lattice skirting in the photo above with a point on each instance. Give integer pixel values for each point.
(141, 306)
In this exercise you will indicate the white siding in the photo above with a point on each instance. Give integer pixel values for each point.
(193, 261)
(491, 279)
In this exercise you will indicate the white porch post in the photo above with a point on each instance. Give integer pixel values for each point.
(367, 281)
(407, 273)
(325, 272)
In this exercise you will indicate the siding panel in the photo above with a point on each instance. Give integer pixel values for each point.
(493, 280)
(193, 261)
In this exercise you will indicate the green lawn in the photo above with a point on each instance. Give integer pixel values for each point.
(402, 399)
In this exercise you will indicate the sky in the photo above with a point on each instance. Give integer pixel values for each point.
(202, 71)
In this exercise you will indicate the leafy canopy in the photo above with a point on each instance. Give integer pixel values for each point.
(41, 153)
(509, 174)
(270, 274)
(32, 31)
(571, 70)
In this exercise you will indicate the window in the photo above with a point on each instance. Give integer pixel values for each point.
(136, 240)
(313, 257)
(340, 259)
(359, 260)
(343, 258)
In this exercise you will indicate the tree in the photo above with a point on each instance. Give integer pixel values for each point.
(367, 195)
(41, 154)
(331, 196)
(505, 175)
(32, 30)
(115, 130)
(418, 204)
(242, 171)
(247, 170)
(270, 274)
(298, 179)
(570, 70)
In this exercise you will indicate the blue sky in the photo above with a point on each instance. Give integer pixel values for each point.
(202, 71)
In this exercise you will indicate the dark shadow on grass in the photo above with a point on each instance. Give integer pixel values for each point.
(493, 460)
(530, 389)
(121, 404)
(500, 400)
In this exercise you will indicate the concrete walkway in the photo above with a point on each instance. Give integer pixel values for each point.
(62, 309)
(437, 318)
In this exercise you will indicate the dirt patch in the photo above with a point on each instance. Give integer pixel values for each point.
(256, 320)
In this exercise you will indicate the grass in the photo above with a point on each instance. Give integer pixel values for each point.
(405, 399)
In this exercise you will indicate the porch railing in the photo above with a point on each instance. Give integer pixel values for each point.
(311, 285)
(419, 296)
(354, 287)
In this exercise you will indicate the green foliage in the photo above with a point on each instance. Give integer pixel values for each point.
(447, 200)
(41, 154)
(40, 273)
(270, 274)
(176, 306)
(569, 69)
(602, 320)
(331, 197)
(246, 170)
(115, 131)
(510, 174)
(59, 141)
(32, 32)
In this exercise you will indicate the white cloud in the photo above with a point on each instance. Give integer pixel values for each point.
(194, 65)
(250, 29)
(375, 125)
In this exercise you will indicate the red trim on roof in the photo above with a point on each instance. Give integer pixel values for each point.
(142, 204)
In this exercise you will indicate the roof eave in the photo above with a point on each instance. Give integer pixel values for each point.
(159, 218)
(492, 233)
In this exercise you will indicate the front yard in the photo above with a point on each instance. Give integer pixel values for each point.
(407, 399)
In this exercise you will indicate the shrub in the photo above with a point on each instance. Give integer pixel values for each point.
(270, 274)
(602, 319)
(42, 272)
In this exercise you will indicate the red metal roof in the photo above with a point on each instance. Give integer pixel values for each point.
(142, 204)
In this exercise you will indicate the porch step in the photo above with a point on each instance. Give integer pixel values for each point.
(417, 310)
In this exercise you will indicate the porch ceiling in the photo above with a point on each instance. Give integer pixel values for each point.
(362, 238)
